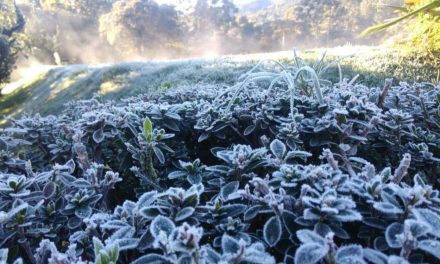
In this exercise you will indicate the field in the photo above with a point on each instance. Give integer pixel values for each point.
(48, 91)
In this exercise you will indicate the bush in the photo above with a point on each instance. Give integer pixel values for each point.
(11, 22)
(7, 59)
(243, 175)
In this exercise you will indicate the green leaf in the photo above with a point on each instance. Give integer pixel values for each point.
(380, 27)
(148, 130)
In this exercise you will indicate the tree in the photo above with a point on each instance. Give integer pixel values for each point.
(90, 8)
(11, 21)
(425, 26)
(212, 15)
(140, 27)
(65, 31)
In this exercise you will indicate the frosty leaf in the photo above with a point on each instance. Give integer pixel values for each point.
(310, 253)
(98, 135)
(272, 231)
(49, 189)
(430, 246)
(387, 208)
(380, 243)
(204, 136)
(375, 222)
(256, 254)
(348, 216)
(4, 255)
(252, 212)
(194, 178)
(211, 255)
(124, 232)
(230, 244)
(249, 130)
(416, 228)
(146, 241)
(374, 256)
(161, 223)
(289, 221)
(74, 222)
(322, 229)
(351, 260)
(97, 245)
(127, 243)
(349, 251)
(146, 199)
(114, 224)
(311, 214)
(298, 154)
(340, 232)
(397, 260)
(278, 148)
(159, 154)
(184, 213)
(83, 212)
(307, 236)
(233, 210)
(176, 174)
(429, 218)
(229, 189)
(152, 259)
(392, 233)
(71, 165)
(81, 183)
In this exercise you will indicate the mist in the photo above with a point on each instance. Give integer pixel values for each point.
(109, 31)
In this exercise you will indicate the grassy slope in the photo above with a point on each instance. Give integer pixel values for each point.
(48, 92)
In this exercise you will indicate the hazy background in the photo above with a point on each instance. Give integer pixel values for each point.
(98, 31)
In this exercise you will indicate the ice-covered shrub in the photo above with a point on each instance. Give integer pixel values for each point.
(183, 177)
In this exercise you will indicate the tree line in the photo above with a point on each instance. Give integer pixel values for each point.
(91, 31)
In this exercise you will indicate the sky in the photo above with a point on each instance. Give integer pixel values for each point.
(186, 5)
(186, 2)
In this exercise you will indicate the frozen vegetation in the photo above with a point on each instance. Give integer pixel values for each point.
(290, 162)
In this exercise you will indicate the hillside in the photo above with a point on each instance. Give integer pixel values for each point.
(46, 93)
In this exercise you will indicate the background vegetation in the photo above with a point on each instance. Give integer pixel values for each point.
(109, 30)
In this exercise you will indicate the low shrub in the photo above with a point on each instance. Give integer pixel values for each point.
(243, 175)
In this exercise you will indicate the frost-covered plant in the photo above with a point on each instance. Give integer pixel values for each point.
(150, 142)
(315, 249)
(181, 177)
(193, 172)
